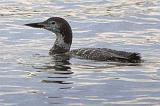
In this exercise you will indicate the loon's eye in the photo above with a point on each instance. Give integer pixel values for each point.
(53, 23)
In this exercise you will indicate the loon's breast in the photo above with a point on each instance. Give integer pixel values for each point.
(104, 54)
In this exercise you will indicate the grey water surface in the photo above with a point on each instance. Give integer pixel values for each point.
(30, 77)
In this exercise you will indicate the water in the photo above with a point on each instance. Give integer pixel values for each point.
(30, 77)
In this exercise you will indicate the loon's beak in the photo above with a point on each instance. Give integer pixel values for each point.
(37, 25)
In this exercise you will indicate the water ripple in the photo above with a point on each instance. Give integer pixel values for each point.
(29, 76)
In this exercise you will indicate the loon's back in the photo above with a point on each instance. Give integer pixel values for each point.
(63, 42)
(104, 54)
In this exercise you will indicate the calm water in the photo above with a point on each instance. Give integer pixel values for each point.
(30, 77)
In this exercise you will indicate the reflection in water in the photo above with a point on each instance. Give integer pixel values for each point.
(58, 82)
(62, 64)
(124, 64)
(59, 64)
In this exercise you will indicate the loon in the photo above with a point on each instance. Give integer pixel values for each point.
(63, 42)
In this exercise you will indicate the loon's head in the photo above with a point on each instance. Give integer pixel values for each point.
(63, 32)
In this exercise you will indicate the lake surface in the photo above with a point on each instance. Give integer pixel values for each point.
(30, 77)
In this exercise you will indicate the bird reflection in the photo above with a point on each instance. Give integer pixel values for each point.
(58, 69)
(61, 64)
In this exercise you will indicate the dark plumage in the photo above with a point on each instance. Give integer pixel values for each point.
(104, 54)
(63, 42)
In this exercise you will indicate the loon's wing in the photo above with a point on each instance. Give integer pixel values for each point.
(104, 54)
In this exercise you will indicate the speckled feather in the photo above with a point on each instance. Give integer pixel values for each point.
(104, 54)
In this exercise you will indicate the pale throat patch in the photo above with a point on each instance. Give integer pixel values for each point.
(60, 42)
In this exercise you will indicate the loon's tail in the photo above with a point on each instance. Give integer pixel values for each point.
(134, 58)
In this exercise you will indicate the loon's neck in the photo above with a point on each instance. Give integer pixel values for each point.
(62, 43)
